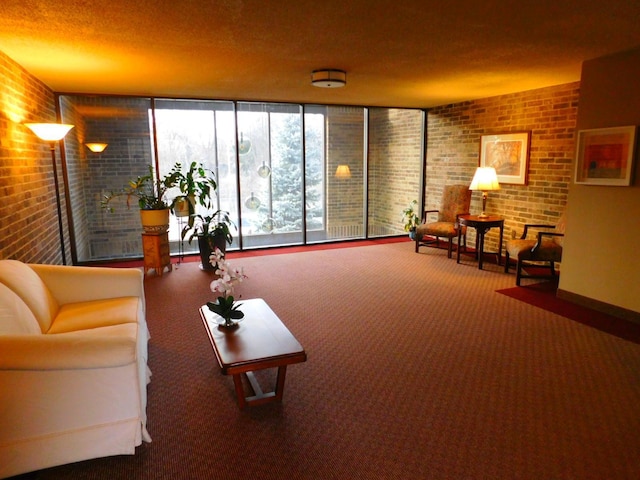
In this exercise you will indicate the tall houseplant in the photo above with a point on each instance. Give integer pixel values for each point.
(213, 230)
(197, 186)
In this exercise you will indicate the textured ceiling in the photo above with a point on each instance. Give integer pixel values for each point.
(412, 53)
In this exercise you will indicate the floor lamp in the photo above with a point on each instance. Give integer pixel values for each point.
(52, 133)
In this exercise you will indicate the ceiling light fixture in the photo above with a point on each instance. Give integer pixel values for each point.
(329, 78)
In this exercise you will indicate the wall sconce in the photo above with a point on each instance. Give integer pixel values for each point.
(53, 132)
(485, 180)
(343, 171)
(96, 147)
(329, 78)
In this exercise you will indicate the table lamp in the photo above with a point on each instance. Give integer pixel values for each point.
(485, 180)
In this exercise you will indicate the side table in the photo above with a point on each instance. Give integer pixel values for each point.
(482, 226)
(156, 252)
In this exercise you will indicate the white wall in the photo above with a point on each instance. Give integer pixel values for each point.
(601, 258)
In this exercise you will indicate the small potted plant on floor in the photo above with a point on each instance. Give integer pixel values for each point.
(411, 219)
(212, 231)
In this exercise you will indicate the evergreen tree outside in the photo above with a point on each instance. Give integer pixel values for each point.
(287, 158)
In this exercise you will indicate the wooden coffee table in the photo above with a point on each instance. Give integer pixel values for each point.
(259, 341)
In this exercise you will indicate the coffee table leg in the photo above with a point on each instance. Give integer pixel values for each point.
(259, 397)
(282, 373)
(237, 381)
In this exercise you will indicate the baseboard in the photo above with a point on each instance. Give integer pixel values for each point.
(599, 306)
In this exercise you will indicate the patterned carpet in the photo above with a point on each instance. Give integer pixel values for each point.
(416, 368)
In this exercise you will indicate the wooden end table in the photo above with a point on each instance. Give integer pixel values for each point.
(258, 342)
(482, 226)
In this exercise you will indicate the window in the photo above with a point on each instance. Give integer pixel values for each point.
(275, 166)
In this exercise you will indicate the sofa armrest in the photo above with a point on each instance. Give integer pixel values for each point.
(72, 284)
(104, 347)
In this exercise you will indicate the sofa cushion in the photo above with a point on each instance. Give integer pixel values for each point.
(20, 278)
(95, 314)
(15, 316)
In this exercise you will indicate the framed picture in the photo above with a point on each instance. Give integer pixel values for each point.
(508, 153)
(605, 156)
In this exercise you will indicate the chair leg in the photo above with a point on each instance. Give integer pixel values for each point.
(450, 248)
(506, 262)
(417, 243)
(518, 271)
(553, 268)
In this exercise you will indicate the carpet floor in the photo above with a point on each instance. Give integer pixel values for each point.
(416, 368)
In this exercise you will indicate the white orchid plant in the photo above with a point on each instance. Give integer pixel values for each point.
(228, 277)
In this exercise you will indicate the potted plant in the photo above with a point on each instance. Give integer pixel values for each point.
(213, 231)
(150, 192)
(411, 219)
(196, 186)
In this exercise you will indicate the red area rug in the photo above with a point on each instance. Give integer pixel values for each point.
(543, 295)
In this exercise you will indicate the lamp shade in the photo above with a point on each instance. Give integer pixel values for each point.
(485, 179)
(343, 171)
(51, 132)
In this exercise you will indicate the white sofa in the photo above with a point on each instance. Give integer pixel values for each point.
(73, 364)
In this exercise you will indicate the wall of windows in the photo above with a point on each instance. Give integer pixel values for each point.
(276, 166)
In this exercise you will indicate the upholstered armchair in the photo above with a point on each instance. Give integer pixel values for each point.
(541, 251)
(455, 201)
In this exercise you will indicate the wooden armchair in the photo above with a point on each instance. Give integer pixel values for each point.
(455, 201)
(543, 251)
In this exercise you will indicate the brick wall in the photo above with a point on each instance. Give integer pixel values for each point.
(453, 147)
(28, 215)
(124, 123)
(345, 144)
(395, 159)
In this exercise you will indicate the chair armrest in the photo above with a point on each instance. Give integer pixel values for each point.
(426, 212)
(71, 284)
(103, 348)
(533, 225)
(545, 234)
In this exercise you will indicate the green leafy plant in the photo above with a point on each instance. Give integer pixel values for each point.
(410, 217)
(149, 190)
(217, 224)
(197, 185)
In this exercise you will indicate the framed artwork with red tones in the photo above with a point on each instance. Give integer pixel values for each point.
(604, 156)
(508, 153)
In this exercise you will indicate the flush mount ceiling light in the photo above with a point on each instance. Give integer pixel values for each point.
(329, 78)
